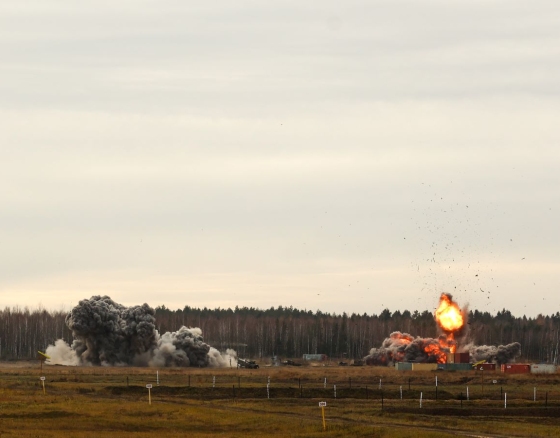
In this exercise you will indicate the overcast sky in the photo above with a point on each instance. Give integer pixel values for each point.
(342, 156)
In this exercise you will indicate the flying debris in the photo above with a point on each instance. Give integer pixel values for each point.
(109, 334)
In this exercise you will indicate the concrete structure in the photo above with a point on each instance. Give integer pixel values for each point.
(543, 368)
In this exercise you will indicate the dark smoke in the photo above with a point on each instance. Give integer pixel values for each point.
(108, 333)
(501, 354)
(402, 347)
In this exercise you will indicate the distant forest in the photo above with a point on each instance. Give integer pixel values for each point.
(289, 332)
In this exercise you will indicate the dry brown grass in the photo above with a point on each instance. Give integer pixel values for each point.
(94, 401)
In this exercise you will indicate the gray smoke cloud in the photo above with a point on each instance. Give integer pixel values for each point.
(500, 354)
(110, 334)
(402, 347)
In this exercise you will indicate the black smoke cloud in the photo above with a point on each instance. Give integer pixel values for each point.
(108, 333)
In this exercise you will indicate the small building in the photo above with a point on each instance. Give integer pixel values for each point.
(317, 357)
(486, 367)
(403, 366)
(458, 358)
(455, 366)
(424, 366)
(516, 368)
(462, 358)
(543, 368)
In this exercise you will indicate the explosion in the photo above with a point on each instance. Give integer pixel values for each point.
(108, 333)
(448, 315)
(402, 347)
(450, 319)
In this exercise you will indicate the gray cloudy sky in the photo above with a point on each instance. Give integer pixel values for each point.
(343, 156)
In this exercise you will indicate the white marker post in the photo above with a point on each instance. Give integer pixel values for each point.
(505, 400)
(467, 393)
(401, 392)
(157, 377)
(325, 386)
(322, 405)
(379, 383)
(334, 391)
(420, 400)
(43, 382)
(268, 390)
(149, 386)
(268, 380)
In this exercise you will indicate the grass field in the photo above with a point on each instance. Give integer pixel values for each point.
(96, 401)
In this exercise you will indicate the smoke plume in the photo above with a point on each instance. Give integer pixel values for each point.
(110, 334)
(402, 347)
(500, 354)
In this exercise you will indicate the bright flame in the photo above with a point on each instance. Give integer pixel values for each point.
(450, 319)
(435, 351)
(448, 315)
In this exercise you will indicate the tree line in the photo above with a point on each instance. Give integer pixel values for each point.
(290, 332)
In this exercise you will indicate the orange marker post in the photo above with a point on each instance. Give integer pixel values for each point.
(322, 405)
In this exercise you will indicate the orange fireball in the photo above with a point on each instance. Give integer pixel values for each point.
(448, 314)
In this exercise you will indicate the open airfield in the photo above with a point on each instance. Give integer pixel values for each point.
(276, 401)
